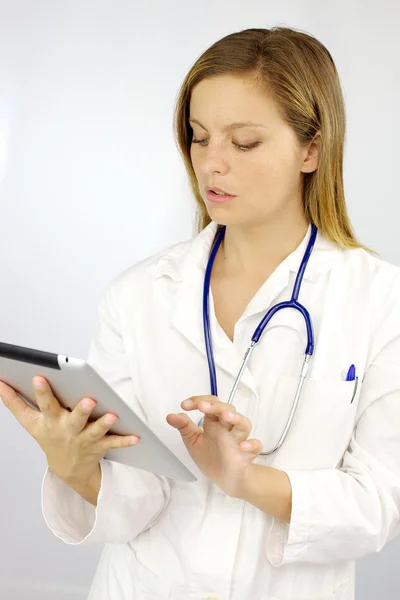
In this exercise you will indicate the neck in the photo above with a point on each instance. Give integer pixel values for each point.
(256, 251)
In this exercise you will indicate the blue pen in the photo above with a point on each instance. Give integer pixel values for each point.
(351, 375)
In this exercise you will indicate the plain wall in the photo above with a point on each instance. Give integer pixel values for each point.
(91, 182)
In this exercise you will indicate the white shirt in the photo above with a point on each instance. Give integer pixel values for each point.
(180, 540)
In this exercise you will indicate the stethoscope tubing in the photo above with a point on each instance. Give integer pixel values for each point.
(292, 303)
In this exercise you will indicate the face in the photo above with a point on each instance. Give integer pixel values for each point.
(265, 177)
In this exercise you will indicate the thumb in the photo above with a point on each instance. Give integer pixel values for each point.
(188, 430)
(26, 415)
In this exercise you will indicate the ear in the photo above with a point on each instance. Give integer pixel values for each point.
(312, 150)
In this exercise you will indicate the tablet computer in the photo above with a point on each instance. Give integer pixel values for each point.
(72, 379)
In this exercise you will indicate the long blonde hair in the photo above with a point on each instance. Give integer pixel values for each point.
(300, 75)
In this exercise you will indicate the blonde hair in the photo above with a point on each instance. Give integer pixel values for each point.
(300, 75)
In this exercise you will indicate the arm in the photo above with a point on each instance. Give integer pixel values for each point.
(89, 490)
(121, 501)
(354, 510)
(269, 489)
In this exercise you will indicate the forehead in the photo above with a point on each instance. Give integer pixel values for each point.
(231, 126)
(227, 101)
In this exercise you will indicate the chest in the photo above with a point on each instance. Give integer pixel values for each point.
(172, 366)
(165, 348)
(231, 298)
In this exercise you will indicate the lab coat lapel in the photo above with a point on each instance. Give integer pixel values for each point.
(323, 257)
(187, 309)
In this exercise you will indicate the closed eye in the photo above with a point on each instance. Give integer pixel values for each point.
(240, 146)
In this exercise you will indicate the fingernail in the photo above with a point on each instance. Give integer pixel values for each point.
(230, 415)
(187, 404)
(39, 384)
(110, 419)
(133, 440)
(87, 405)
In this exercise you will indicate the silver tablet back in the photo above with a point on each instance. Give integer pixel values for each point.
(72, 379)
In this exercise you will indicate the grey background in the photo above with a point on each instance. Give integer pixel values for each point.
(91, 182)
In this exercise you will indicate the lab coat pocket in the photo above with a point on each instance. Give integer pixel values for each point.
(314, 589)
(341, 594)
(322, 426)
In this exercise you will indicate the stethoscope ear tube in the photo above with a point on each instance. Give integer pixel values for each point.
(206, 313)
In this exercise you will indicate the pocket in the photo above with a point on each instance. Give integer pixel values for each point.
(312, 589)
(322, 425)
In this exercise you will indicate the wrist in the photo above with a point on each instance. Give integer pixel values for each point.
(87, 485)
(268, 489)
(247, 484)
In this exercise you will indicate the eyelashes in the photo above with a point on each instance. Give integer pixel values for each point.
(239, 146)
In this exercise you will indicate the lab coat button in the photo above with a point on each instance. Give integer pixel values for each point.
(247, 393)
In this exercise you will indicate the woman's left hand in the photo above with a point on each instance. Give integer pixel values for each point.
(220, 450)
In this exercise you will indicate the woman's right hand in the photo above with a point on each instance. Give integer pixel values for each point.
(73, 446)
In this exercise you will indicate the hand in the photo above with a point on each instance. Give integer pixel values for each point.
(72, 446)
(220, 450)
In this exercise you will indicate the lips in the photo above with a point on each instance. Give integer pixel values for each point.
(217, 189)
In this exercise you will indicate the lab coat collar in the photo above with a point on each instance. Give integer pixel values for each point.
(189, 267)
(179, 266)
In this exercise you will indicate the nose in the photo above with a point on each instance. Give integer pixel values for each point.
(212, 160)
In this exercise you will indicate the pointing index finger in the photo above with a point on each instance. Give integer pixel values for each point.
(207, 402)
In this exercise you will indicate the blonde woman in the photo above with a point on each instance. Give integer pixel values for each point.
(268, 518)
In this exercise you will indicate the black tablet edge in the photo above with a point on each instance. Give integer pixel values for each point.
(29, 355)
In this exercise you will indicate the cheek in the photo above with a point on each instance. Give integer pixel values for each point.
(261, 174)
(274, 173)
(195, 163)
(192, 158)
(267, 183)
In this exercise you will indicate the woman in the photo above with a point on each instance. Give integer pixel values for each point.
(289, 524)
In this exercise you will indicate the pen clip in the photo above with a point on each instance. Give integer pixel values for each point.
(355, 389)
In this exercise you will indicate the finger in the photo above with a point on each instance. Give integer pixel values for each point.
(241, 425)
(111, 442)
(232, 421)
(194, 402)
(78, 418)
(46, 401)
(96, 430)
(207, 406)
(26, 415)
(215, 412)
(188, 430)
(252, 446)
(212, 409)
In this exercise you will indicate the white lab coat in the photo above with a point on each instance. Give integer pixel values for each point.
(177, 540)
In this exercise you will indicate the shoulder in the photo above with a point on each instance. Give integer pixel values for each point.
(381, 277)
(141, 276)
(376, 287)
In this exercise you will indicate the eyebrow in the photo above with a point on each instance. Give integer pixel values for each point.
(230, 126)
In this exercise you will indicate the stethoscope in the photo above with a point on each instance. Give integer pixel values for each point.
(292, 303)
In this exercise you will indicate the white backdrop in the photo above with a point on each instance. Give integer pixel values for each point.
(91, 182)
